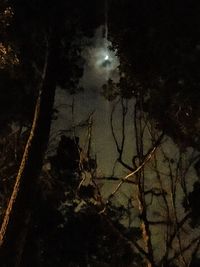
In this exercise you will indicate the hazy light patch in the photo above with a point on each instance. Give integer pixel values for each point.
(101, 62)
(106, 57)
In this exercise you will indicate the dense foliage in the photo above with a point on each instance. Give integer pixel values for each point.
(158, 44)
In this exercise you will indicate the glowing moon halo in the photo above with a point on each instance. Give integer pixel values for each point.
(101, 61)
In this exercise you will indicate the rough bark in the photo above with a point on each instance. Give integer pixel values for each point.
(22, 201)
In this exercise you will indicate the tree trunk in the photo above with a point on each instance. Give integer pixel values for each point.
(19, 211)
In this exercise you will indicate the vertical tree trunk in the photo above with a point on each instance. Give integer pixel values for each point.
(19, 211)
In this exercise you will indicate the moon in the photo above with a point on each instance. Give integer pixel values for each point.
(106, 57)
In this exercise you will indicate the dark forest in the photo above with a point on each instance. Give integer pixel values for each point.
(99, 133)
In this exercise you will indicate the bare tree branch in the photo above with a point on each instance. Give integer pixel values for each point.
(139, 168)
(179, 253)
